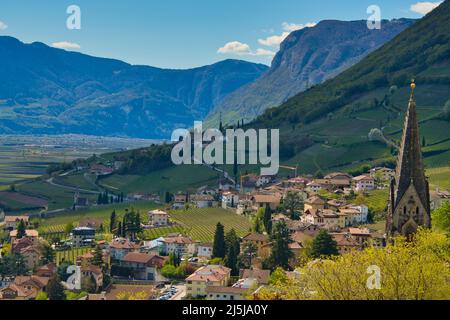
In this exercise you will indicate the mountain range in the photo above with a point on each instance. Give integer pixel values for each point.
(345, 122)
(44, 90)
(307, 57)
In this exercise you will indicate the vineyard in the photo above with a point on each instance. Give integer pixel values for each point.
(156, 233)
(70, 255)
(58, 223)
(200, 224)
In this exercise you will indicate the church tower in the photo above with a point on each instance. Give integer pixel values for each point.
(409, 203)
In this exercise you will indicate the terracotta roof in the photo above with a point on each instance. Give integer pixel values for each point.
(315, 200)
(262, 276)
(363, 177)
(358, 231)
(50, 267)
(29, 233)
(35, 281)
(210, 274)
(91, 268)
(266, 198)
(225, 290)
(337, 174)
(158, 213)
(179, 239)
(137, 257)
(20, 291)
(345, 240)
(256, 237)
(145, 258)
(9, 219)
(122, 243)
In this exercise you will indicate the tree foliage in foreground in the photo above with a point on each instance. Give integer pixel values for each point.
(417, 270)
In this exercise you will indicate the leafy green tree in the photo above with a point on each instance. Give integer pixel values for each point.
(41, 296)
(293, 204)
(219, 247)
(21, 230)
(61, 271)
(68, 228)
(324, 245)
(258, 223)
(410, 270)
(12, 265)
(249, 251)
(441, 217)
(281, 239)
(55, 290)
(48, 254)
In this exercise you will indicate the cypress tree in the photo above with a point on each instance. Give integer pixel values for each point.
(267, 220)
(219, 248)
(112, 221)
(21, 230)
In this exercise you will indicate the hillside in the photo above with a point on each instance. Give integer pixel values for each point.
(307, 57)
(44, 90)
(327, 128)
(337, 116)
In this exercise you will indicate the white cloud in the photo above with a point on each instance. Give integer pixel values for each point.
(3, 26)
(264, 52)
(243, 49)
(294, 27)
(424, 7)
(66, 45)
(235, 47)
(275, 41)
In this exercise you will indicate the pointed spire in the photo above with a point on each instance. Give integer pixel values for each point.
(410, 190)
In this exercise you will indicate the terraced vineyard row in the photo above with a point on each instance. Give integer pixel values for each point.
(70, 255)
(153, 234)
(200, 224)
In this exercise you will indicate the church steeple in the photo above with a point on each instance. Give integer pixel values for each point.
(409, 197)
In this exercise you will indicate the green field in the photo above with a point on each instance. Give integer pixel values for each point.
(439, 177)
(58, 223)
(200, 224)
(58, 198)
(173, 179)
(82, 181)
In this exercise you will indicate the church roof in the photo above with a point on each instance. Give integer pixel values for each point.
(410, 168)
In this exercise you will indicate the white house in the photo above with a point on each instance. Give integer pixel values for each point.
(145, 266)
(203, 200)
(313, 186)
(178, 244)
(158, 218)
(204, 250)
(364, 183)
(355, 215)
(230, 199)
(120, 247)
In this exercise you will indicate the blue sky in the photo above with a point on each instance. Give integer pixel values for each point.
(182, 33)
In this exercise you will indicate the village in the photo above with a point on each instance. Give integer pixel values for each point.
(175, 266)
